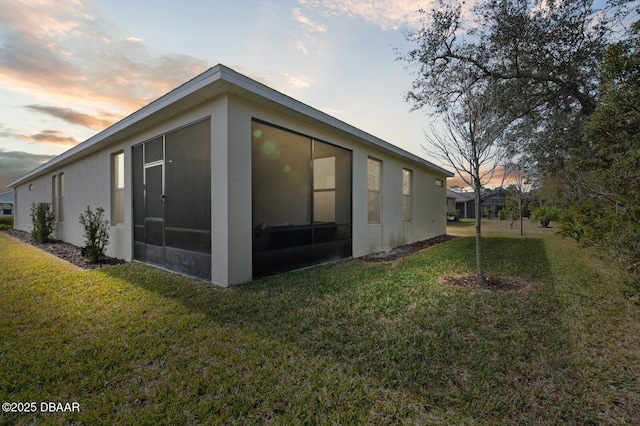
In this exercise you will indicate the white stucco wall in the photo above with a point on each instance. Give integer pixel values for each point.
(429, 205)
(88, 182)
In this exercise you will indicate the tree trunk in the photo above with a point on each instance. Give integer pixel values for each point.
(520, 211)
(480, 272)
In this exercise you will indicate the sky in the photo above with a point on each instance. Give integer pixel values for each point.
(70, 68)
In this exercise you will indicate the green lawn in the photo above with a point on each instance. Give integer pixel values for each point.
(347, 343)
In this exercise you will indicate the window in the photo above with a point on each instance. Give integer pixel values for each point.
(61, 197)
(374, 169)
(57, 196)
(117, 196)
(301, 196)
(324, 189)
(407, 178)
(54, 195)
(439, 182)
(30, 187)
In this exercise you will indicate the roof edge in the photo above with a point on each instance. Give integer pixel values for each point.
(213, 74)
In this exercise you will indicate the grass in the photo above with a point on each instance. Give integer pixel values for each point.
(347, 343)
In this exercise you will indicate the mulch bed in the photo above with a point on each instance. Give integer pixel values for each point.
(495, 284)
(65, 251)
(405, 250)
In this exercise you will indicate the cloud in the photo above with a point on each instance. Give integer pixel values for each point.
(300, 46)
(14, 164)
(57, 50)
(297, 81)
(75, 117)
(308, 23)
(51, 137)
(387, 14)
(498, 179)
(54, 137)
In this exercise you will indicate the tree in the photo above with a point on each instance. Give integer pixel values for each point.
(541, 57)
(43, 221)
(606, 213)
(523, 176)
(470, 145)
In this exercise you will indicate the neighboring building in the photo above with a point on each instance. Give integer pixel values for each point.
(494, 201)
(6, 203)
(465, 203)
(451, 201)
(227, 180)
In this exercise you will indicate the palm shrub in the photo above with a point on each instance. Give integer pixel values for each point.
(95, 234)
(545, 215)
(43, 221)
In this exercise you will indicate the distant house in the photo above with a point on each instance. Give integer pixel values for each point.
(227, 180)
(494, 201)
(451, 201)
(6, 203)
(464, 203)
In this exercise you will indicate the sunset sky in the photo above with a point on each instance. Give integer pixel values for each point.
(70, 68)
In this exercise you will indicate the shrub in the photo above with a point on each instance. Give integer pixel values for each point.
(43, 221)
(502, 214)
(545, 215)
(6, 222)
(95, 234)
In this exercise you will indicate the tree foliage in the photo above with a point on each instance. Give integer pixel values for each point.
(43, 222)
(540, 57)
(95, 234)
(605, 208)
(470, 145)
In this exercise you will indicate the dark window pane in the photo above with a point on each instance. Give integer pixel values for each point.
(287, 181)
(188, 240)
(154, 232)
(138, 233)
(153, 197)
(138, 185)
(153, 150)
(281, 177)
(188, 177)
(285, 237)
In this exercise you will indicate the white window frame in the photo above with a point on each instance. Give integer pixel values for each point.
(374, 219)
(407, 191)
(117, 188)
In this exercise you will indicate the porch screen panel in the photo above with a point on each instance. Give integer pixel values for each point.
(301, 194)
(188, 199)
(153, 150)
(137, 159)
(281, 177)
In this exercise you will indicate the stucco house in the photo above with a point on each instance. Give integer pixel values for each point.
(6, 203)
(227, 180)
(464, 202)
